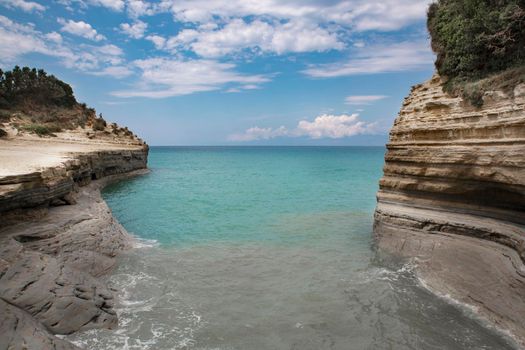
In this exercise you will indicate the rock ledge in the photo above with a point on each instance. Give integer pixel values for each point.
(453, 198)
(57, 235)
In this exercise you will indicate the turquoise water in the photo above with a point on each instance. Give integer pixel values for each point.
(268, 248)
(198, 195)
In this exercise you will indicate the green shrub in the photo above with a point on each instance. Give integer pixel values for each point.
(476, 38)
(474, 96)
(99, 124)
(473, 38)
(5, 116)
(29, 85)
(42, 130)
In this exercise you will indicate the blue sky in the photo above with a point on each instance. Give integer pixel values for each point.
(229, 72)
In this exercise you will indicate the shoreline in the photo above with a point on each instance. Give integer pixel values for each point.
(451, 198)
(75, 255)
(484, 275)
(471, 311)
(54, 250)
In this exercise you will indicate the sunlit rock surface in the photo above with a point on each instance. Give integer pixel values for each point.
(453, 198)
(57, 235)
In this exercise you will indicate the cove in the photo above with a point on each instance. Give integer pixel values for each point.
(268, 248)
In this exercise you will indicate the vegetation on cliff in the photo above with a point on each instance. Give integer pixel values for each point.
(26, 85)
(477, 40)
(34, 102)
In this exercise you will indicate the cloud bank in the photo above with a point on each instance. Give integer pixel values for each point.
(80, 28)
(207, 42)
(384, 58)
(24, 5)
(161, 77)
(359, 100)
(323, 126)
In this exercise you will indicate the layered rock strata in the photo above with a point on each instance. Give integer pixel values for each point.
(55, 183)
(453, 198)
(57, 236)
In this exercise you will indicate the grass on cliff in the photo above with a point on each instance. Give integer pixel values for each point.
(99, 124)
(41, 104)
(41, 130)
(478, 40)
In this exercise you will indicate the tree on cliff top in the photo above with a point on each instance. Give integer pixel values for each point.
(476, 38)
(26, 85)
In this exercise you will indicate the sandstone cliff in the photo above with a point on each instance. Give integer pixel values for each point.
(453, 198)
(57, 235)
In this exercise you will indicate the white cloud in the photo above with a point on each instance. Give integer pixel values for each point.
(137, 8)
(135, 30)
(333, 126)
(301, 36)
(114, 71)
(157, 40)
(24, 5)
(256, 133)
(388, 15)
(54, 36)
(323, 126)
(116, 5)
(90, 58)
(361, 14)
(220, 28)
(80, 28)
(110, 50)
(163, 77)
(359, 100)
(279, 38)
(19, 39)
(215, 31)
(378, 59)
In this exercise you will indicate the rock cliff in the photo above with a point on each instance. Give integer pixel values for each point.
(453, 198)
(57, 235)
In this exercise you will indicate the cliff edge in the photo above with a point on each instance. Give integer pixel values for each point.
(452, 198)
(57, 235)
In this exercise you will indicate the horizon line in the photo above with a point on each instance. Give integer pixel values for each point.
(342, 146)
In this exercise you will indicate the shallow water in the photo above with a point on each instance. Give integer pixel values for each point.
(268, 248)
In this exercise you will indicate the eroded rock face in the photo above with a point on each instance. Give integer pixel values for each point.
(21, 332)
(453, 197)
(62, 298)
(50, 261)
(56, 183)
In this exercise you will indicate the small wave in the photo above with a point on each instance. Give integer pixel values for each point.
(470, 311)
(386, 274)
(140, 243)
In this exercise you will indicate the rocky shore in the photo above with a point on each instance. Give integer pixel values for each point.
(57, 235)
(452, 198)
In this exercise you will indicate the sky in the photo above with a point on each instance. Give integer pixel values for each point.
(229, 72)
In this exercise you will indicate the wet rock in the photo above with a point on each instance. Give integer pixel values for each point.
(50, 259)
(62, 299)
(19, 331)
(452, 197)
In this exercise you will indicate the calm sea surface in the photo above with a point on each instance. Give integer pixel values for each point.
(268, 248)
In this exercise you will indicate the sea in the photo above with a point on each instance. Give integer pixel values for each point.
(269, 248)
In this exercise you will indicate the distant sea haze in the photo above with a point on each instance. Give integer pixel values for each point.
(268, 248)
